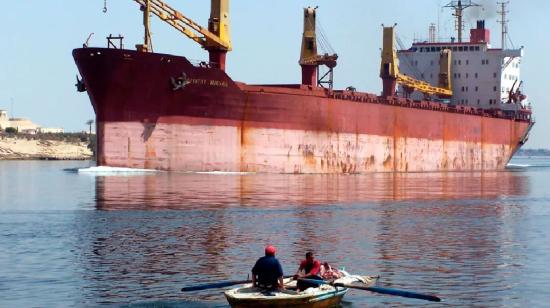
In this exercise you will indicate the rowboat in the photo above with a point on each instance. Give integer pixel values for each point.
(326, 295)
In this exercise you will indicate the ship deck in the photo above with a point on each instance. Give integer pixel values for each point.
(522, 114)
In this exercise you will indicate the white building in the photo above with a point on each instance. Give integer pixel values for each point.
(24, 125)
(481, 76)
(4, 120)
(51, 130)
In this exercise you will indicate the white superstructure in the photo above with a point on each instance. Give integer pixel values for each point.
(482, 77)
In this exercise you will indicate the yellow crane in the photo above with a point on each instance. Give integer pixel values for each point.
(216, 38)
(310, 60)
(389, 71)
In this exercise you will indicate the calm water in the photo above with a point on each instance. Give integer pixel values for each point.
(475, 239)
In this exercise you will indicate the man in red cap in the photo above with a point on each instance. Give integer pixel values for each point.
(267, 273)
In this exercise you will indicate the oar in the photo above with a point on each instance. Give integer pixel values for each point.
(218, 285)
(214, 285)
(380, 290)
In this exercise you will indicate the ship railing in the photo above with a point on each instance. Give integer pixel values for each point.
(520, 115)
(112, 41)
(200, 63)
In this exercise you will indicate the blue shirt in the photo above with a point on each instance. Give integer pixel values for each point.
(268, 269)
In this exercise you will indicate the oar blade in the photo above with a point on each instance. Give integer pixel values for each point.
(218, 285)
(390, 291)
(213, 285)
(404, 293)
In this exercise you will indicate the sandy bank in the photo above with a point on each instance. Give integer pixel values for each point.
(23, 148)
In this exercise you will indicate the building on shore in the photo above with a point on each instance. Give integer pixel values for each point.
(51, 130)
(24, 125)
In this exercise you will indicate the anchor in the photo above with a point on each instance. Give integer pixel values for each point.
(80, 86)
(180, 82)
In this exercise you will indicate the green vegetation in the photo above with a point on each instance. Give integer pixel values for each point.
(11, 130)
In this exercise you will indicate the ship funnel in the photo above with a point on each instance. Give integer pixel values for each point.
(481, 24)
(480, 34)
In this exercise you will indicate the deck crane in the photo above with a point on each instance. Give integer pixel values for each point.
(389, 71)
(216, 39)
(310, 60)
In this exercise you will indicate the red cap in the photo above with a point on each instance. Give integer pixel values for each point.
(270, 250)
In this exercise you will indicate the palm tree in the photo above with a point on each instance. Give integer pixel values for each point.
(89, 123)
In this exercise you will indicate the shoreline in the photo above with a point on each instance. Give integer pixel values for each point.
(46, 147)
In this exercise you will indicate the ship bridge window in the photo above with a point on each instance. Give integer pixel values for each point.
(477, 48)
(438, 48)
(460, 48)
(421, 49)
(432, 49)
(455, 48)
(471, 48)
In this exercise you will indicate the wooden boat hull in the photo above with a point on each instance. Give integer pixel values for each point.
(324, 296)
(324, 299)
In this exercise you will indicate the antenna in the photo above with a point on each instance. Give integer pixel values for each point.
(432, 33)
(459, 7)
(12, 108)
(503, 21)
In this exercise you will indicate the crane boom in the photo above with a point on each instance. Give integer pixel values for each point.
(191, 29)
(389, 71)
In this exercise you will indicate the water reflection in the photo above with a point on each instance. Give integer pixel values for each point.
(449, 233)
(187, 191)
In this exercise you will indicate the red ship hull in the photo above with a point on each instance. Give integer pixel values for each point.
(162, 112)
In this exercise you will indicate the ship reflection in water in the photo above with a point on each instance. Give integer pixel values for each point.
(188, 191)
(453, 234)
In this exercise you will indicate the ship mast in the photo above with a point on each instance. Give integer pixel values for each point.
(310, 59)
(146, 47)
(459, 7)
(503, 21)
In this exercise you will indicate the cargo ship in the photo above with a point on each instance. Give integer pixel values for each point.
(463, 110)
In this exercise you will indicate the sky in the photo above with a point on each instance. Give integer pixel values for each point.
(37, 71)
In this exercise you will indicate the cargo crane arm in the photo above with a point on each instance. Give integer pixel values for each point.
(389, 71)
(215, 39)
(185, 25)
